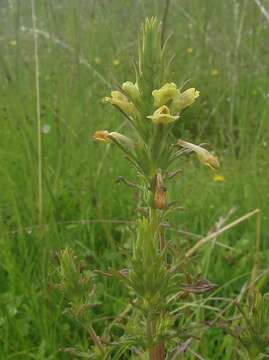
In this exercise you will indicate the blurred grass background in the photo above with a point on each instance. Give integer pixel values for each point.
(85, 49)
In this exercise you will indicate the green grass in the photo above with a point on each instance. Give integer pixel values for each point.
(77, 45)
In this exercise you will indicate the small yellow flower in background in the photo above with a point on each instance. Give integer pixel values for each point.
(116, 62)
(214, 72)
(185, 99)
(120, 100)
(219, 178)
(97, 60)
(13, 42)
(189, 50)
(204, 155)
(162, 116)
(164, 94)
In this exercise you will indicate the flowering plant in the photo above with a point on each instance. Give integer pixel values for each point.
(152, 107)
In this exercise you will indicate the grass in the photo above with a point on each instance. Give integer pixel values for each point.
(85, 48)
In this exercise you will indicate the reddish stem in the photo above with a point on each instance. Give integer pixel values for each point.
(158, 352)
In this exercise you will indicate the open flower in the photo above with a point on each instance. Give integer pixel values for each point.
(162, 116)
(219, 178)
(164, 94)
(203, 155)
(102, 136)
(131, 90)
(116, 62)
(185, 99)
(120, 100)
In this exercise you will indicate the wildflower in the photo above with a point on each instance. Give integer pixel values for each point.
(45, 129)
(189, 51)
(214, 72)
(185, 99)
(162, 116)
(203, 155)
(131, 90)
(219, 178)
(164, 94)
(108, 137)
(97, 60)
(13, 42)
(102, 136)
(120, 100)
(116, 62)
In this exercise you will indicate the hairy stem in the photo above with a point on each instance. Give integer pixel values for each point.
(156, 352)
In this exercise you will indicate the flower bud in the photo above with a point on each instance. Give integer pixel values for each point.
(203, 155)
(122, 140)
(131, 90)
(185, 99)
(108, 137)
(164, 94)
(160, 201)
(120, 100)
(162, 116)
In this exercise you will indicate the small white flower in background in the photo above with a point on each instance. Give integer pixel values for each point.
(45, 129)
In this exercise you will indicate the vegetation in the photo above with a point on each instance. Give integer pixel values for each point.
(53, 302)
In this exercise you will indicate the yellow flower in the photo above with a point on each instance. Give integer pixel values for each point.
(162, 116)
(204, 156)
(214, 72)
(185, 99)
(97, 60)
(131, 90)
(189, 51)
(102, 136)
(164, 94)
(108, 137)
(219, 178)
(116, 62)
(120, 100)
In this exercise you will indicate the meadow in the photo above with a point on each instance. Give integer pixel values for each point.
(86, 48)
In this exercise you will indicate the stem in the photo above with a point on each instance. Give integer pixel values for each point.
(165, 14)
(38, 117)
(96, 340)
(157, 352)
